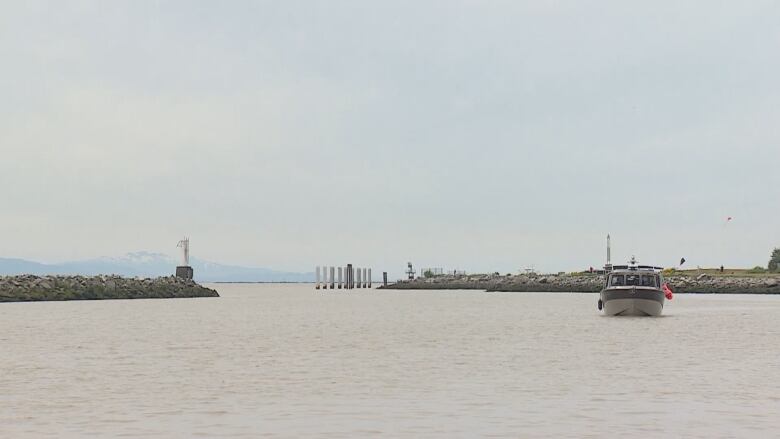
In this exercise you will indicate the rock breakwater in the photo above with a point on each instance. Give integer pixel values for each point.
(28, 288)
(587, 283)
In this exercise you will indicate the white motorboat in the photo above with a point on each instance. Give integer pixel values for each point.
(634, 290)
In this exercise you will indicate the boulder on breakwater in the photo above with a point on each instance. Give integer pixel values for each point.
(590, 283)
(28, 288)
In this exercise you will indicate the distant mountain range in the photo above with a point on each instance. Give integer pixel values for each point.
(146, 264)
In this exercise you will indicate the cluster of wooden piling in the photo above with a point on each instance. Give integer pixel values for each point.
(349, 277)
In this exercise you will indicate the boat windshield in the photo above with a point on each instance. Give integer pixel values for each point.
(650, 280)
(639, 280)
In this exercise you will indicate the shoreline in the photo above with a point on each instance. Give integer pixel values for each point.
(590, 283)
(30, 288)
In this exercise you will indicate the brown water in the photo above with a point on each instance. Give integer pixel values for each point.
(284, 360)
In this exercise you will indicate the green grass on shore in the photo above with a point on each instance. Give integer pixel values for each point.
(730, 272)
(715, 272)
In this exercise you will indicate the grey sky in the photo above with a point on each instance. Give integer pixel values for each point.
(464, 134)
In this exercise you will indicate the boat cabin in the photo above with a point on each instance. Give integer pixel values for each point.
(648, 277)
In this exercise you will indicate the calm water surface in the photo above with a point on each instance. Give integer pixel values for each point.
(286, 361)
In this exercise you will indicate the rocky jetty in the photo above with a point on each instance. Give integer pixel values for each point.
(28, 288)
(592, 283)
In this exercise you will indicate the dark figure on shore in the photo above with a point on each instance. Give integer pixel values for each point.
(721, 269)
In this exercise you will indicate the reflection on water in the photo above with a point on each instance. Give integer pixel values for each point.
(289, 361)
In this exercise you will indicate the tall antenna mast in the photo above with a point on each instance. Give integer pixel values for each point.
(609, 250)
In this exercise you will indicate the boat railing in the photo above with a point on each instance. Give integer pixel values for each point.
(636, 267)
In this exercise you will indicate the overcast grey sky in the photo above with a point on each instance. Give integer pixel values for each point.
(477, 135)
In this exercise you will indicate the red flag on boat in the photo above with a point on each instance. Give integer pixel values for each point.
(668, 292)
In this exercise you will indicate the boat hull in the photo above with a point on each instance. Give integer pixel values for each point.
(632, 302)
